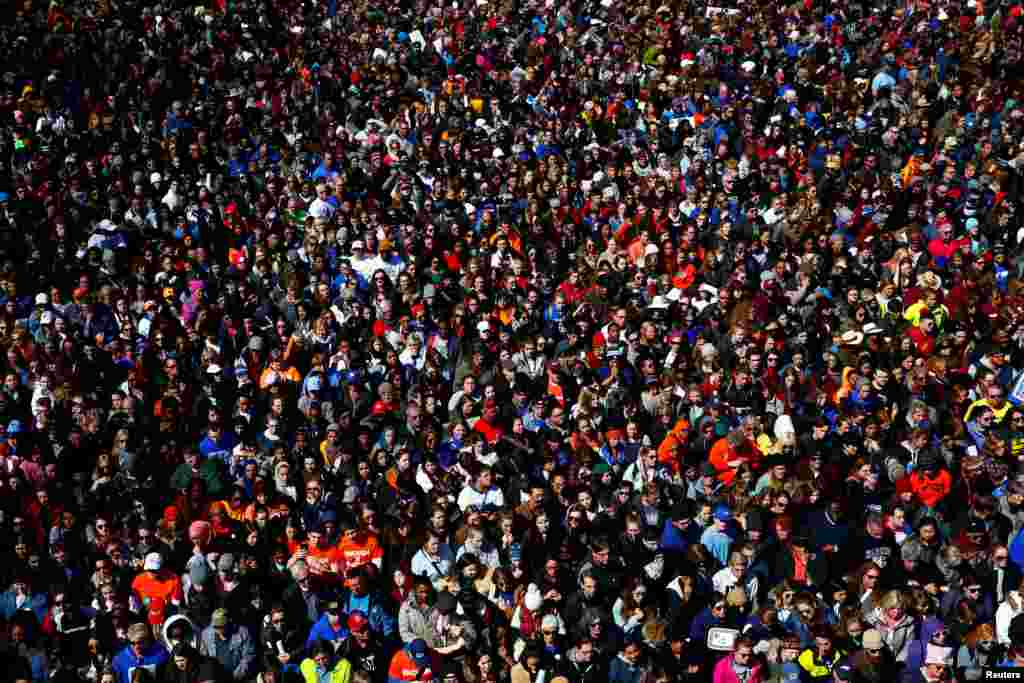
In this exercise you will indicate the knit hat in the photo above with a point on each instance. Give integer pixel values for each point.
(872, 639)
(200, 529)
(737, 597)
(533, 599)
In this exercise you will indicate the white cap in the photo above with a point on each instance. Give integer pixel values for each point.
(42, 299)
(155, 177)
(659, 302)
(483, 326)
(153, 562)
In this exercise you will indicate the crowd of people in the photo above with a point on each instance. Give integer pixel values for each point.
(534, 342)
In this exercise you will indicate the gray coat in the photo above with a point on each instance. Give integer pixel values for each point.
(414, 621)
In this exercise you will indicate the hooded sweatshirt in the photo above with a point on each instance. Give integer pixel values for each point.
(192, 637)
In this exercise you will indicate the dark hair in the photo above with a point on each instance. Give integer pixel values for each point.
(321, 647)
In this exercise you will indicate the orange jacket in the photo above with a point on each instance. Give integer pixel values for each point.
(722, 453)
(149, 586)
(669, 451)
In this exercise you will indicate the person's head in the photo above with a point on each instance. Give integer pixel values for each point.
(633, 651)
(333, 613)
(823, 640)
(138, 638)
(422, 590)
(589, 585)
(743, 651)
(893, 605)
(321, 654)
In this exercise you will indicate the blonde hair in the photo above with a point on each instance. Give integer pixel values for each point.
(894, 598)
(979, 633)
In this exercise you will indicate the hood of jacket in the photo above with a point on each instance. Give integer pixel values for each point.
(193, 640)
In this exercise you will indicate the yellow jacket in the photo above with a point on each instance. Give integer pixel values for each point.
(341, 673)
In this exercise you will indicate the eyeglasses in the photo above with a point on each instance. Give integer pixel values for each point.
(873, 651)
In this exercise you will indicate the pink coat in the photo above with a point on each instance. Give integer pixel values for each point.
(725, 674)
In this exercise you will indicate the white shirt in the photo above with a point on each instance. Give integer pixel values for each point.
(470, 496)
(321, 209)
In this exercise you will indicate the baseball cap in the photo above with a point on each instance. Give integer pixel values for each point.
(357, 621)
(723, 513)
(418, 649)
(153, 562)
(220, 617)
(844, 672)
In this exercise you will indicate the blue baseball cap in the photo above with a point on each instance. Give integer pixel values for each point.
(418, 649)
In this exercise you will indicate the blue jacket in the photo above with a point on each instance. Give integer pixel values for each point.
(675, 541)
(153, 656)
(36, 604)
(621, 671)
(322, 631)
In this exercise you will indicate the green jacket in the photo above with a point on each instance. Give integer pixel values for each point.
(209, 472)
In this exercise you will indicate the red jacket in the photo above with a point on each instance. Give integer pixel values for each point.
(931, 490)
